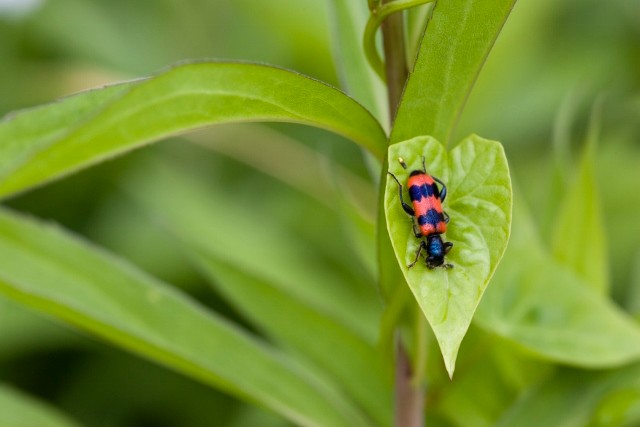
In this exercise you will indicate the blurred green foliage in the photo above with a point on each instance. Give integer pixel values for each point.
(535, 94)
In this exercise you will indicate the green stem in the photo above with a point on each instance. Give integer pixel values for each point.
(395, 61)
(409, 400)
(420, 363)
(379, 13)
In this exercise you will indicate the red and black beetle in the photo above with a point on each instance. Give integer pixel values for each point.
(430, 221)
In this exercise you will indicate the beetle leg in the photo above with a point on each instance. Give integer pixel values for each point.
(447, 247)
(416, 230)
(443, 191)
(446, 217)
(408, 209)
(423, 245)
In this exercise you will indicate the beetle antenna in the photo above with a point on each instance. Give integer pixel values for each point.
(402, 163)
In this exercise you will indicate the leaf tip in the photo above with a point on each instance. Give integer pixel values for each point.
(450, 363)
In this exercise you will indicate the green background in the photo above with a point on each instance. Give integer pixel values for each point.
(553, 62)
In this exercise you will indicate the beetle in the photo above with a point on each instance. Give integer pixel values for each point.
(429, 220)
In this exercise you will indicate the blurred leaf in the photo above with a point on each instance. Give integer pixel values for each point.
(478, 395)
(25, 132)
(23, 331)
(491, 373)
(309, 333)
(309, 171)
(20, 410)
(620, 408)
(270, 251)
(544, 307)
(42, 267)
(416, 22)
(633, 292)
(359, 80)
(136, 389)
(479, 203)
(360, 232)
(458, 39)
(251, 416)
(574, 398)
(298, 311)
(183, 98)
(579, 238)
(390, 276)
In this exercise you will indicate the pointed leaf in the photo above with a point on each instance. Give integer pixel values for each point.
(258, 251)
(21, 410)
(44, 268)
(457, 41)
(479, 204)
(183, 98)
(574, 398)
(282, 312)
(358, 79)
(546, 308)
(579, 240)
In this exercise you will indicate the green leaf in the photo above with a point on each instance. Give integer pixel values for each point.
(189, 211)
(292, 324)
(479, 204)
(457, 41)
(579, 240)
(183, 98)
(25, 132)
(44, 268)
(547, 309)
(359, 80)
(23, 331)
(20, 410)
(495, 374)
(574, 398)
(290, 312)
(632, 296)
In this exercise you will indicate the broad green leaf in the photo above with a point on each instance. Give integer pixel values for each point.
(292, 310)
(390, 276)
(546, 308)
(495, 374)
(310, 172)
(259, 251)
(25, 132)
(23, 331)
(479, 204)
(359, 80)
(579, 240)
(184, 98)
(458, 39)
(18, 409)
(416, 22)
(308, 333)
(44, 268)
(632, 300)
(573, 398)
(130, 384)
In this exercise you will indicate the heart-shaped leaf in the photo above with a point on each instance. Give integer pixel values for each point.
(478, 202)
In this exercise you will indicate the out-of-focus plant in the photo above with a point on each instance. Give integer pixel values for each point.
(313, 326)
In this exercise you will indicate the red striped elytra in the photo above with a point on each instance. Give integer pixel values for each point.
(430, 220)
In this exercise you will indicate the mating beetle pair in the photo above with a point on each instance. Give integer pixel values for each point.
(429, 220)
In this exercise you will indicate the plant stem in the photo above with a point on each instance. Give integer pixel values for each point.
(395, 60)
(379, 14)
(409, 404)
(409, 397)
